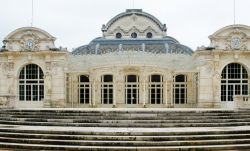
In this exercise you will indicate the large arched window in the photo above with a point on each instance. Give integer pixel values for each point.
(155, 89)
(31, 83)
(234, 81)
(180, 89)
(107, 89)
(132, 89)
(84, 89)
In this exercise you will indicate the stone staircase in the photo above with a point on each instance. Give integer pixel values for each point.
(125, 129)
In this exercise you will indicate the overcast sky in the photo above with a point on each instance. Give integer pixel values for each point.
(77, 22)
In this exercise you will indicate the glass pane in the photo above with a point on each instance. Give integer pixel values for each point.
(107, 78)
(156, 78)
(84, 78)
(180, 78)
(132, 78)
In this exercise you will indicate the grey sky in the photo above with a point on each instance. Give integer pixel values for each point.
(77, 22)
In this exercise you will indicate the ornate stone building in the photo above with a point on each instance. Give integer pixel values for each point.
(134, 64)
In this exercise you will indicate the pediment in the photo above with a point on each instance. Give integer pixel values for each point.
(29, 39)
(233, 37)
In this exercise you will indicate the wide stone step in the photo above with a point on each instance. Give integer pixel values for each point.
(123, 114)
(83, 112)
(156, 120)
(122, 148)
(127, 118)
(126, 124)
(124, 143)
(115, 129)
(123, 138)
(120, 131)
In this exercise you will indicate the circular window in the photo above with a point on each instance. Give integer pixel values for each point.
(134, 35)
(149, 35)
(118, 35)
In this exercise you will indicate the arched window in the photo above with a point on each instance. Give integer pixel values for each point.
(132, 89)
(234, 81)
(84, 89)
(155, 89)
(180, 89)
(31, 83)
(107, 89)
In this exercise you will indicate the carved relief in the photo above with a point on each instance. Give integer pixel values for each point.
(54, 67)
(132, 29)
(4, 101)
(217, 75)
(8, 68)
(131, 69)
(48, 83)
(236, 40)
(29, 41)
(48, 66)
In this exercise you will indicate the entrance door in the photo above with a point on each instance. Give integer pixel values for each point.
(132, 89)
(31, 87)
(234, 82)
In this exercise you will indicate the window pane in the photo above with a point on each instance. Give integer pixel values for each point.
(84, 78)
(107, 78)
(180, 78)
(131, 78)
(155, 78)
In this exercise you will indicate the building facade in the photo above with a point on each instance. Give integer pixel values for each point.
(134, 64)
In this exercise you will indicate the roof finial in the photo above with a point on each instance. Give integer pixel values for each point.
(234, 12)
(32, 12)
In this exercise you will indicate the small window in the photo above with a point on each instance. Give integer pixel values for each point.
(118, 35)
(149, 35)
(134, 35)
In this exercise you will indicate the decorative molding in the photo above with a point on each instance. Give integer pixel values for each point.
(48, 66)
(242, 43)
(8, 68)
(29, 41)
(132, 29)
(131, 70)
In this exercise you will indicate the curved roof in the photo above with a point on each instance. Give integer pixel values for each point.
(29, 28)
(230, 27)
(166, 45)
(137, 12)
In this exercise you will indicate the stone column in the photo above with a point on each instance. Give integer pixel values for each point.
(144, 93)
(75, 89)
(93, 89)
(70, 89)
(115, 86)
(166, 92)
(120, 96)
(47, 95)
(9, 68)
(216, 85)
(170, 92)
(114, 93)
